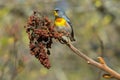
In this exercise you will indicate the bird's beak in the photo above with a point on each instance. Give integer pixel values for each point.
(55, 13)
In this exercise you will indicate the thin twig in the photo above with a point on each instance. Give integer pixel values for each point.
(102, 66)
(14, 72)
(102, 51)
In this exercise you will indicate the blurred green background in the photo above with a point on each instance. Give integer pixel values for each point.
(93, 21)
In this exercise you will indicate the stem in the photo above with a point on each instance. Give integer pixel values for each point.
(14, 72)
(93, 62)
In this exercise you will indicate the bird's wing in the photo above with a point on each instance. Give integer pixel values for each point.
(69, 22)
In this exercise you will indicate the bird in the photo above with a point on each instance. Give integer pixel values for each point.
(63, 23)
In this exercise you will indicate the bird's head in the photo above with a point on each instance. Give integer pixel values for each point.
(58, 12)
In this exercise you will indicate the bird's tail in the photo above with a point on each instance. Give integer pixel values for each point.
(72, 38)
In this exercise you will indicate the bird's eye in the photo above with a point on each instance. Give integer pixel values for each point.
(56, 10)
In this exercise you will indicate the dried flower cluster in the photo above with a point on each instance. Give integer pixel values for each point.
(41, 32)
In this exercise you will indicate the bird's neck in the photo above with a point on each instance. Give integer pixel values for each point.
(57, 17)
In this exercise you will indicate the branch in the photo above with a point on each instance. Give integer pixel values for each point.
(41, 33)
(101, 64)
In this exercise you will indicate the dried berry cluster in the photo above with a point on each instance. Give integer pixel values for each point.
(40, 32)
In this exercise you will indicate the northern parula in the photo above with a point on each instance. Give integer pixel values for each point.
(62, 23)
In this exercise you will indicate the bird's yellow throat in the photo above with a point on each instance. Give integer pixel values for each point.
(60, 22)
(55, 13)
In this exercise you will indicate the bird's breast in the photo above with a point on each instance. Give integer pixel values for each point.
(60, 22)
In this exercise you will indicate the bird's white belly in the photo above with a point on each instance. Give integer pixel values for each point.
(61, 29)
